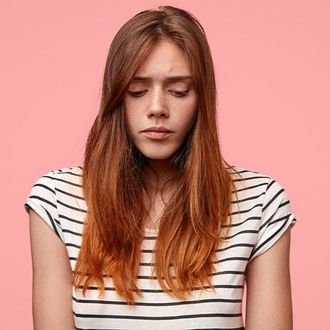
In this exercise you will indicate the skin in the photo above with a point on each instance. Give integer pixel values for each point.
(52, 309)
(160, 104)
(269, 302)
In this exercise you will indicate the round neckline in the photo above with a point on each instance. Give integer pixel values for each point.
(149, 230)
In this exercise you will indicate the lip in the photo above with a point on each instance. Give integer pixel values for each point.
(157, 129)
(157, 135)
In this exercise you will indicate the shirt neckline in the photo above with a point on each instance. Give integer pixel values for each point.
(152, 231)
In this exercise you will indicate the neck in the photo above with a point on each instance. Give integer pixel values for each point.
(164, 172)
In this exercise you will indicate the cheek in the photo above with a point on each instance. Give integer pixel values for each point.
(186, 120)
(131, 118)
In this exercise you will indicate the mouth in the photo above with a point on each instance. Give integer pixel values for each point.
(157, 135)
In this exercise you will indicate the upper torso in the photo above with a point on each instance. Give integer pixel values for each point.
(221, 309)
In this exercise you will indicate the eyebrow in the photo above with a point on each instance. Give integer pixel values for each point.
(171, 78)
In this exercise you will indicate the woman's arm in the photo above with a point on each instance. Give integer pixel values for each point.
(269, 303)
(52, 278)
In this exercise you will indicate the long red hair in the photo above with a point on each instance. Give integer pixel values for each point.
(113, 172)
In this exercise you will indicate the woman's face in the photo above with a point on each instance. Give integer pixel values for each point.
(161, 94)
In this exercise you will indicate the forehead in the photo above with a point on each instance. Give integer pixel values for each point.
(166, 61)
(166, 79)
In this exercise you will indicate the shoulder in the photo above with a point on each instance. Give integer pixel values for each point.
(57, 188)
(240, 173)
(249, 179)
(67, 183)
(63, 177)
(60, 192)
(69, 173)
(51, 192)
(65, 173)
(252, 183)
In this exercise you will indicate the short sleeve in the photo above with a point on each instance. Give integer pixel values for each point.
(42, 199)
(276, 218)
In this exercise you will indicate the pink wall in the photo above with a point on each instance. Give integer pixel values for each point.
(273, 72)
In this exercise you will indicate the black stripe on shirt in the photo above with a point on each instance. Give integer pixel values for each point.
(174, 317)
(157, 304)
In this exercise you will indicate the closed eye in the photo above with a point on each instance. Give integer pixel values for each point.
(136, 94)
(175, 93)
(181, 94)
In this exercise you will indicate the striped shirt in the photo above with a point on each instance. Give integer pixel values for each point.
(260, 215)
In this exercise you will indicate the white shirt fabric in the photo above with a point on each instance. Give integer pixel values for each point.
(260, 216)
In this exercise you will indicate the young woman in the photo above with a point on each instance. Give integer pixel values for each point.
(156, 230)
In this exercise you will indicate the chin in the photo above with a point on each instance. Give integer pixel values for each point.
(157, 154)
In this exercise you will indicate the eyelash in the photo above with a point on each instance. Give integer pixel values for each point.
(178, 94)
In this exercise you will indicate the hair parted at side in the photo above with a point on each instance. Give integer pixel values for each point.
(113, 172)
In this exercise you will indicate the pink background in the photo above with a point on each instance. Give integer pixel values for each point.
(273, 73)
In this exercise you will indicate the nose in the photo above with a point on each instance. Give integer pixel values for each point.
(157, 104)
